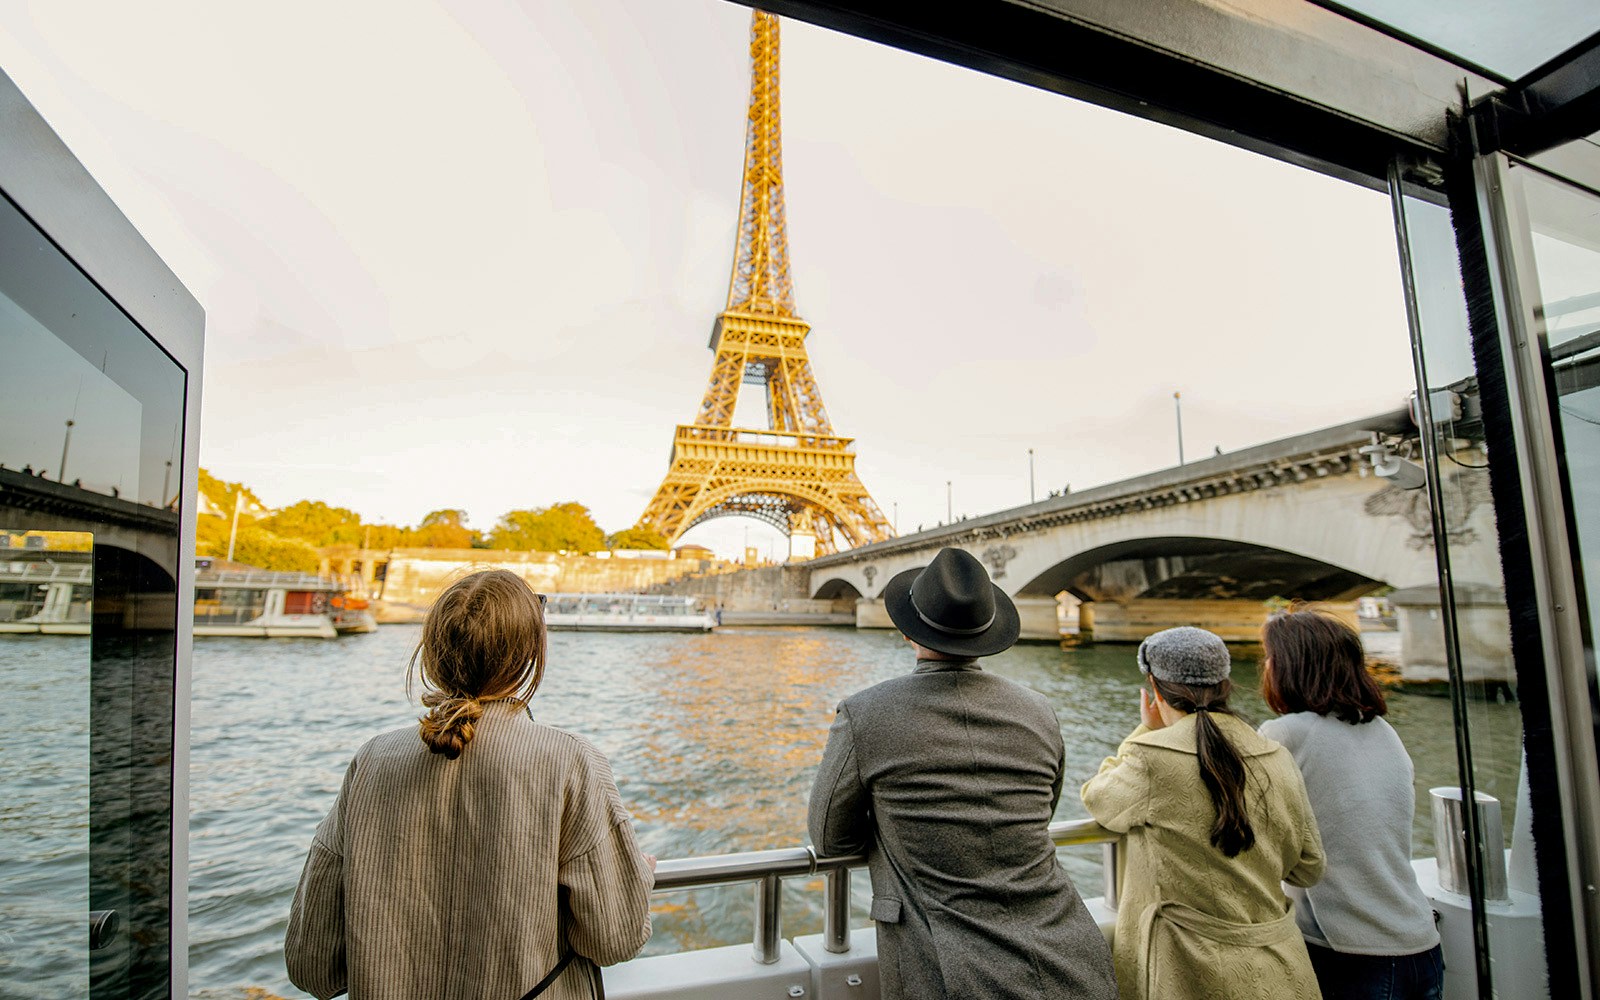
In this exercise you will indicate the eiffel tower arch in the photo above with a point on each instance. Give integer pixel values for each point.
(796, 474)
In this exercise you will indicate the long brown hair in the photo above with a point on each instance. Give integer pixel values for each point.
(1315, 663)
(1221, 768)
(483, 640)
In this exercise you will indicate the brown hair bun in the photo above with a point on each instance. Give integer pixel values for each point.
(448, 728)
(483, 640)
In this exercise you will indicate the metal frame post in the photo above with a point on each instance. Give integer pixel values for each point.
(769, 919)
(1109, 867)
(836, 911)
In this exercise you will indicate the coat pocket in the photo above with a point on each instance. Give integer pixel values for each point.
(885, 910)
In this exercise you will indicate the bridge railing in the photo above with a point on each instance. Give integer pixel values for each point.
(768, 869)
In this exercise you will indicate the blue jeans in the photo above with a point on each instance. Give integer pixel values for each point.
(1378, 977)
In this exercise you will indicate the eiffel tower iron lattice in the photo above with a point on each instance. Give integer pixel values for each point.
(795, 474)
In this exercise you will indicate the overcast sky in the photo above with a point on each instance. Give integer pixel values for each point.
(469, 254)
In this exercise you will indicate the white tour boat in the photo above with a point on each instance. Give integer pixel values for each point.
(43, 591)
(627, 613)
(257, 602)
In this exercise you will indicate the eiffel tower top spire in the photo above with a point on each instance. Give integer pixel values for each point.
(761, 282)
(796, 474)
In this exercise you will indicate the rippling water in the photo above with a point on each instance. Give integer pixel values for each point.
(44, 880)
(713, 740)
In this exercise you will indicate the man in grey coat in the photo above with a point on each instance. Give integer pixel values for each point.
(947, 778)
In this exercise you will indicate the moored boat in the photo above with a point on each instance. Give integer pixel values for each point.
(245, 601)
(45, 591)
(627, 613)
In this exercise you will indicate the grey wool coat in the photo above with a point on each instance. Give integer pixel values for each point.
(438, 879)
(947, 778)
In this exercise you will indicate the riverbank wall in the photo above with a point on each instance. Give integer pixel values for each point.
(761, 595)
(404, 583)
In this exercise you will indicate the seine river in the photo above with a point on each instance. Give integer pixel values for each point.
(713, 740)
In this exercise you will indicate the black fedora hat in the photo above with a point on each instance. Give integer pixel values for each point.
(952, 607)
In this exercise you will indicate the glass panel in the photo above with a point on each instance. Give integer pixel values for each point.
(91, 419)
(45, 582)
(1470, 637)
(1508, 37)
(1565, 224)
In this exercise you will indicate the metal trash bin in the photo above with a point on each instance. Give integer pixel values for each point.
(1450, 840)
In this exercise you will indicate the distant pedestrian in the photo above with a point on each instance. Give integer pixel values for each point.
(947, 778)
(480, 853)
(1215, 818)
(1367, 924)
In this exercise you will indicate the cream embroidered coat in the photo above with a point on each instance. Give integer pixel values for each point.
(437, 879)
(1193, 924)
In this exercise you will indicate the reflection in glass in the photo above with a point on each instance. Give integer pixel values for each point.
(1474, 627)
(1509, 38)
(87, 401)
(1566, 246)
(91, 415)
(44, 736)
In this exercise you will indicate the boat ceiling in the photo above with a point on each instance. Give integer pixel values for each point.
(1342, 88)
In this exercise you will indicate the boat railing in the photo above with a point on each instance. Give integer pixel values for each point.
(46, 572)
(768, 869)
(265, 577)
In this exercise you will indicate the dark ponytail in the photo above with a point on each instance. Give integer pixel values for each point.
(1221, 767)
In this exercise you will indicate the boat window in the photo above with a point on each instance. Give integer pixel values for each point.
(1462, 626)
(90, 471)
(1565, 223)
(1507, 39)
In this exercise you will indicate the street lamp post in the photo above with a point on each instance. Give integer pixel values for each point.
(1030, 475)
(1177, 405)
(61, 470)
(949, 507)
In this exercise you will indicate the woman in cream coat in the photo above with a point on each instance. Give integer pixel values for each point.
(1215, 817)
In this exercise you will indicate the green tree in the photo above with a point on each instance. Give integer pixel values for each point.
(637, 538)
(266, 550)
(221, 494)
(562, 527)
(444, 529)
(317, 523)
(384, 536)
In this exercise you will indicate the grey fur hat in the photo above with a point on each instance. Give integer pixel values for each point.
(1185, 655)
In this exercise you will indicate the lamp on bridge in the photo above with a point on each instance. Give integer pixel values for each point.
(1404, 473)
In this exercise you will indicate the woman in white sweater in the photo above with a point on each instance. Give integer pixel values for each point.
(1367, 925)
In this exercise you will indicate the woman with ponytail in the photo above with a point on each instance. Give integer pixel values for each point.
(480, 853)
(1215, 817)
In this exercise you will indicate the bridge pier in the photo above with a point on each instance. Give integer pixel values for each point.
(870, 613)
(1041, 618)
(1133, 620)
(1482, 621)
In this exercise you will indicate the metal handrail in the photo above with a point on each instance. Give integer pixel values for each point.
(767, 869)
(265, 577)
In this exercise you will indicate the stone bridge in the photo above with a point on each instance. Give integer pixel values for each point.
(1207, 543)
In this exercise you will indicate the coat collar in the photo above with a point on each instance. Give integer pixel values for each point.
(935, 666)
(505, 708)
(1180, 736)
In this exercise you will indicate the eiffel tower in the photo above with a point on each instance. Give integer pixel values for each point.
(795, 474)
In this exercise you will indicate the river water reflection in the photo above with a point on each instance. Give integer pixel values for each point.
(713, 740)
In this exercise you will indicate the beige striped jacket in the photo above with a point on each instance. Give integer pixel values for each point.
(437, 879)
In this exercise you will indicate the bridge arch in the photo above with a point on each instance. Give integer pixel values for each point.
(1195, 567)
(837, 588)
